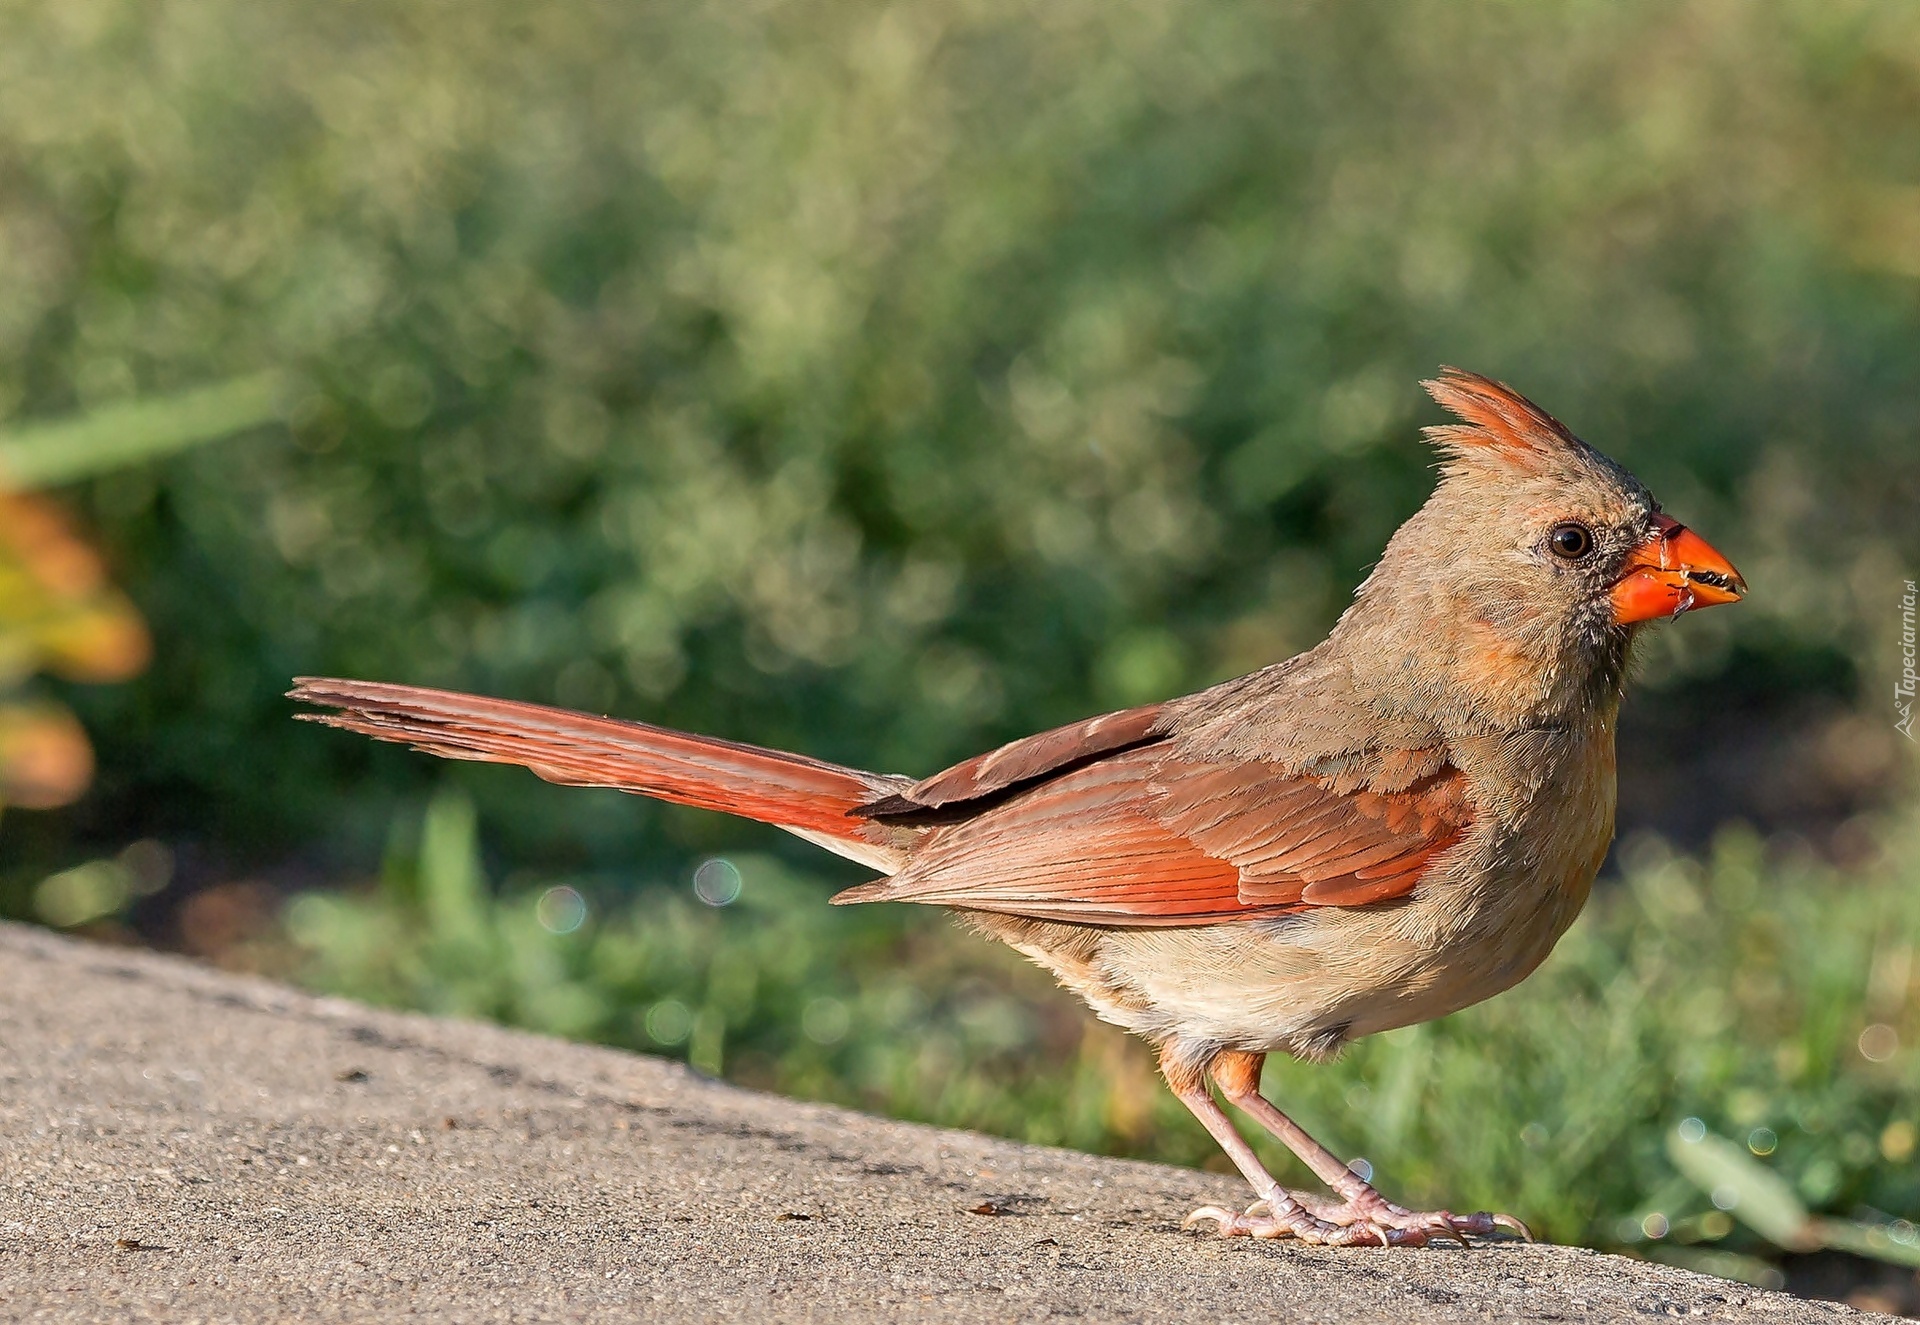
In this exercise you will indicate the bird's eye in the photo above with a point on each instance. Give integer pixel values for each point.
(1571, 541)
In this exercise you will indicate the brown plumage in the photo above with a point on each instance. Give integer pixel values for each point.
(1389, 827)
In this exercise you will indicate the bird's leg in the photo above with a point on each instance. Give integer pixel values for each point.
(1276, 1214)
(1239, 1078)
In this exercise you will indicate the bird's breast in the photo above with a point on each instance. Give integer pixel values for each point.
(1487, 920)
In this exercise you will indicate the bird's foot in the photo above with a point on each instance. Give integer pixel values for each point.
(1365, 1220)
(1290, 1219)
(1367, 1206)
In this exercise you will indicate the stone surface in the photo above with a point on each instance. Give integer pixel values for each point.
(177, 1144)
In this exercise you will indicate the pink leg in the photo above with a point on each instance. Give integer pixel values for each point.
(1360, 1206)
(1283, 1216)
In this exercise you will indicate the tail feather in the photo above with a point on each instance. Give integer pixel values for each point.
(806, 796)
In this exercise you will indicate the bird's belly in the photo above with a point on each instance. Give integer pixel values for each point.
(1307, 984)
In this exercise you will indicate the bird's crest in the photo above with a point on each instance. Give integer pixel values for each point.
(1497, 423)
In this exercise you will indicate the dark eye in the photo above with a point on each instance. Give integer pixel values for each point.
(1570, 540)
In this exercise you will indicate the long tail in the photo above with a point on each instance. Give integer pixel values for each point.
(808, 797)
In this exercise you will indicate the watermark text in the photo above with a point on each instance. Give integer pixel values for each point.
(1903, 689)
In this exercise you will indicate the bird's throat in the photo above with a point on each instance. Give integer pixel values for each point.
(1483, 673)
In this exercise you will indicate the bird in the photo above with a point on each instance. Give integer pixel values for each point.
(1395, 824)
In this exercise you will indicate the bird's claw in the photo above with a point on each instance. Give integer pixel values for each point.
(1226, 1218)
(1513, 1225)
(1422, 1225)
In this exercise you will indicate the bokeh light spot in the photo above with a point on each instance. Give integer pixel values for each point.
(826, 1020)
(1879, 1042)
(669, 1022)
(717, 882)
(85, 892)
(561, 910)
(149, 865)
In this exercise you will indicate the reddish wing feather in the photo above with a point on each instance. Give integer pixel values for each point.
(1142, 839)
(1023, 761)
(1083, 847)
(1295, 841)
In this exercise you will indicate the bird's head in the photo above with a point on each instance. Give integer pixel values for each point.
(1517, 589)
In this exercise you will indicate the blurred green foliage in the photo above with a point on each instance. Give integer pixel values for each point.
(1735, 1178)
(882, 381)
(1777, 1005)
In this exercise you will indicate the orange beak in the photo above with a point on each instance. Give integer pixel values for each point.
(1674, 571)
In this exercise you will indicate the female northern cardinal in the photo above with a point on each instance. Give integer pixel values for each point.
(1393, 825)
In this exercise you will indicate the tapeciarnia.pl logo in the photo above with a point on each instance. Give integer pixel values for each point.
(1903, 689)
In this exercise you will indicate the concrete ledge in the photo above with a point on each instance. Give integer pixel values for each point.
(178, 1144)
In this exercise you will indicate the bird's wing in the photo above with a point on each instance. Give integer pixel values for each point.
(1154, 837)
(964, 789)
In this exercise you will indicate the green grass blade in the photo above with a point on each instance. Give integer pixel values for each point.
(39, 455)
(1874, 1240)
(1754, 1194)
